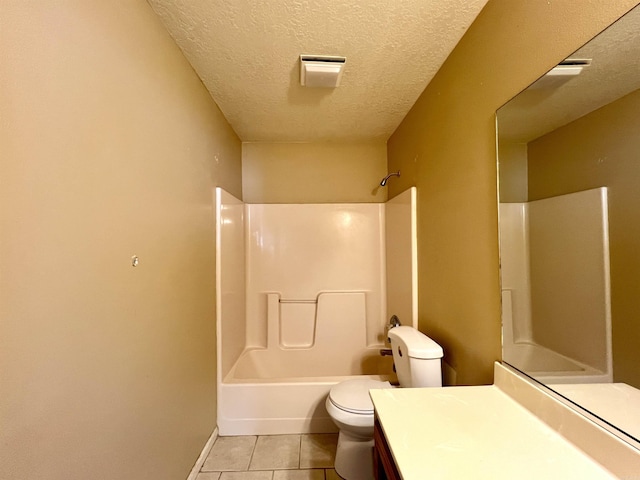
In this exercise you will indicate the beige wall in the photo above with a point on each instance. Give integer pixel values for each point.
(314, 172)
(601, 149)
(513, 172)
(446, 147)
(109, 147)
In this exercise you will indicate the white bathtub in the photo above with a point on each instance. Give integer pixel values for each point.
(550, 367)
(256, 398)
(281, 388)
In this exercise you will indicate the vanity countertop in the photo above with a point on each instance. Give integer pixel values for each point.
(475, 432)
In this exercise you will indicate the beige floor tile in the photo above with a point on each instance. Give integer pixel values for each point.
(208, 476)
(331, 474)
(276, 452)
(318, 450)
(316, 474)
(230, 454)
(246, 475)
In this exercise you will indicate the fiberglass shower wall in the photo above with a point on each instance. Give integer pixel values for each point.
(230, 280)
(302, 254)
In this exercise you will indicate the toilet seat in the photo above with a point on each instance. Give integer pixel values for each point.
(352, 396)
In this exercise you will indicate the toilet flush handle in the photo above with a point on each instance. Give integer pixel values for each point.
(394, 322)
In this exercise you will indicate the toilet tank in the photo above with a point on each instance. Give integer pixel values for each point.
(417, 358)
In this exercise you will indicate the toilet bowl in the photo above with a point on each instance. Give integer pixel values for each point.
(350, 408)
(417, 359)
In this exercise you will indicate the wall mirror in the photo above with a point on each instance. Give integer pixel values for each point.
(569, 172)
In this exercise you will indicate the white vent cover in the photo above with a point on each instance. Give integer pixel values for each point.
(562, 73)
(321, 70)
(570, 67)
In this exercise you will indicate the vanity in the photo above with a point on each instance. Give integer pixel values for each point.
(512, 429)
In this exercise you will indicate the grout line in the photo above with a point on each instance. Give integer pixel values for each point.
(252, 454)
(300, 452)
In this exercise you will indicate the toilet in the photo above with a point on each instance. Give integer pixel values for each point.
(417, 360)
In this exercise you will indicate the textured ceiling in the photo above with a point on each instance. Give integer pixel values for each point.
(613, 73)
(247, 55)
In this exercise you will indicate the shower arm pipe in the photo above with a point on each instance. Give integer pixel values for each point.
(386, 179)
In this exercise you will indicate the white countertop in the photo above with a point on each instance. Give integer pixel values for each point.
(475, 433)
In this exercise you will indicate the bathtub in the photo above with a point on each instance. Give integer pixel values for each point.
(550, 367)
(267, 392)
(281, 387)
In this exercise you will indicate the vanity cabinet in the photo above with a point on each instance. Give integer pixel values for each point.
(384, 467)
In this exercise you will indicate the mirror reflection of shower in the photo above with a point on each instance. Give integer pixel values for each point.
(384, 181)
(555, 287)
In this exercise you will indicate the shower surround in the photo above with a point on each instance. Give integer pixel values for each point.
(304, 293)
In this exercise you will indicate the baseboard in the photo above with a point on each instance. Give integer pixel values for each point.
(203, 455)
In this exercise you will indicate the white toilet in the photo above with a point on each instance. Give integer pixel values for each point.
(417, 359)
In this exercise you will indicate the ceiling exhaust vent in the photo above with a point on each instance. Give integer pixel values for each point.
(562, 73)
(570, 67)
(321, 70)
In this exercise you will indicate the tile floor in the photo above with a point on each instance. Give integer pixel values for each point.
(272, 457)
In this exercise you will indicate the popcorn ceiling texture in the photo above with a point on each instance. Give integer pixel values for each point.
(247, 55)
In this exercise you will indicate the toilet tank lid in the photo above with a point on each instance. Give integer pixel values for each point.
(418, 345)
